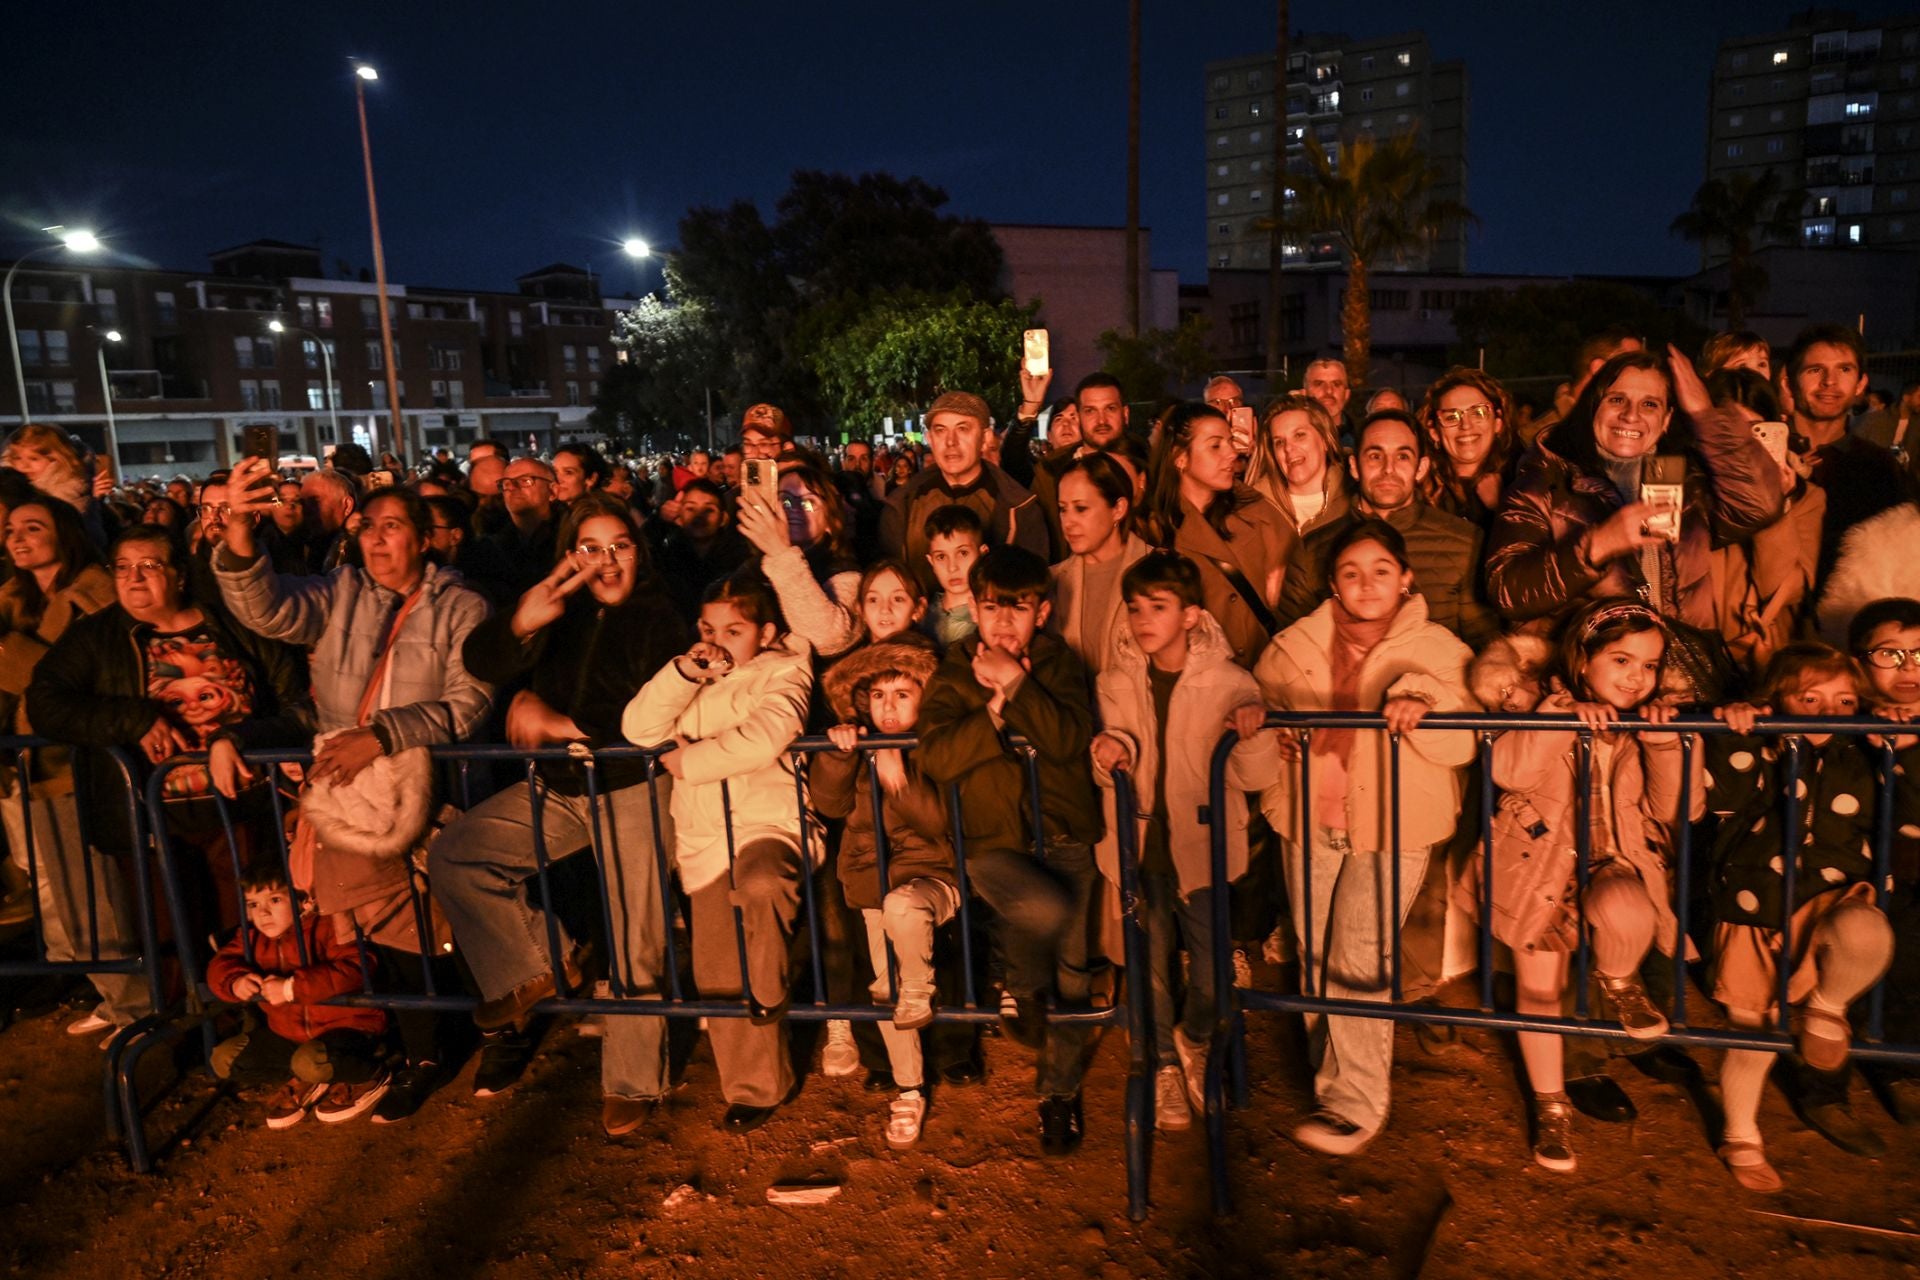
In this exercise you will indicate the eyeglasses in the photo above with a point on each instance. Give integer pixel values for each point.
(1480, 413)
(219, 510)
(1893, 659)
(523, 482)
(140, 569)
(619, 552)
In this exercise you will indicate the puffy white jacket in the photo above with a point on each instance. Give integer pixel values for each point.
(735, 762)
(1210, 686)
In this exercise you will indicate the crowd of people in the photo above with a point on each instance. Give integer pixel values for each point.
(1670, 536)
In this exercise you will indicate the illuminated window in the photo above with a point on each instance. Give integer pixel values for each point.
(1779, 57)
(1403, 89)
(1253, 135)
(1404, 57)
(166, 309)
(1221, 199)
(56, 341)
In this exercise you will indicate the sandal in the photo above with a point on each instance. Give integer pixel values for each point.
(1747, 1162)
(1819, 1049)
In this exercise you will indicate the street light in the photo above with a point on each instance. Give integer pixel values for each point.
(74, 241)
(363, 74)
(326, 363)
(106, 395)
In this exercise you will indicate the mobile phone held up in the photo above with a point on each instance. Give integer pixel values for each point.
(1036, 360)
(761, 476)
(1663, 486)
(1240, 428)
(262, 442)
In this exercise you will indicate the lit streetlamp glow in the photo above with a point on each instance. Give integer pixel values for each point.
(326, 364)
(366, 72)
(75, 241)
(636, 248)
(80, 241)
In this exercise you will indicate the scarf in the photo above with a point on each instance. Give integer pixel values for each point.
(1353, 639)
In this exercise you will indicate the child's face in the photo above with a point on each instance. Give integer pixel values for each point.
(1009, 627)
(952, 556)
(1369, 582)
(723, 624)
(270, 910)
(1898, 686)
(890, 605)
(894, 705)
(1160, 622)
(1625, 672)
(1821, 696)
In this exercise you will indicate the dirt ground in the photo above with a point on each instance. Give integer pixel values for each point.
(524, 1184)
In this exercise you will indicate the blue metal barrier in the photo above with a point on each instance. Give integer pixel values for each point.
(1226, 1056)
(674, 1001)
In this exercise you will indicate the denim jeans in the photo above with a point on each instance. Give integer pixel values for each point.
(1349, 918)
(1172, 923)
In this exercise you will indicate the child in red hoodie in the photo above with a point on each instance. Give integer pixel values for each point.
(286, 961)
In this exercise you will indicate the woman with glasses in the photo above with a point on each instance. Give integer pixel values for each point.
(806, 553)
(1466, 416)
(583, 640)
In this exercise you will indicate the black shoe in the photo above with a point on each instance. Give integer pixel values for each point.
(504, 1056)
(1027, 1027)
(1835, 1122)
(1602, 1099)
(963, 1073)
(741, 1118)
(1669, 1064)
(878, 1081)
(1436, 1039)
(1061, 1127)
(409, 1087)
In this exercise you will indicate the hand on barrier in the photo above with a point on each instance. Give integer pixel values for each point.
(1404, 714)
(891, 770)
(1659, 711)
(228, 768)
(531, 723)
(845, 737)
(345, 755)
(1246, 719)
(1739, 716)
(671, 761)
(163, 740)
(1110, 753)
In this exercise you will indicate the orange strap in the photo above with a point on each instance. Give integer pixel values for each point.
(386, 656)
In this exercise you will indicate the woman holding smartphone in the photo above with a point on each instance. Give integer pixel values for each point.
(790, 510)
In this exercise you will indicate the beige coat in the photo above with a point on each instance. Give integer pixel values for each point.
(1068, 618)
(1209, 687)
(21, 649)
(738, 730)
(1416, 659)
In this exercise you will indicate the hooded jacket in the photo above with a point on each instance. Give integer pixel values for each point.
(332, 969)
(1877, 561)
(1209, 687)
(919, 837)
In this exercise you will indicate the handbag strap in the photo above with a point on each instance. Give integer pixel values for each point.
(1244, 589)
(381, 668)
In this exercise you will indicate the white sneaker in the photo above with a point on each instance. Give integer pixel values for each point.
(87, 1024)
(840, 1057)
(1170, 1100)
(1242, 969)
(915, 1009)
(904, 1118)
(1331, 1133)
(1193, 1069)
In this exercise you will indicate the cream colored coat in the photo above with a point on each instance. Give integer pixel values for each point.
(1210, 686)
(1068, 618)
(736, 760)
(1415, 658)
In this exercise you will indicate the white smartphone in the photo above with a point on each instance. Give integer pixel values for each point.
(1773, 436)
(761, 476)
(1035, 341)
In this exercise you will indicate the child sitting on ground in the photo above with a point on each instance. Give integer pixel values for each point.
(286, 960)
(902, 884)
(1172, 683)
(956, 538)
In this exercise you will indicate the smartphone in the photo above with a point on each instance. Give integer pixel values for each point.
(761, 476)
(1663, 486)
(379, 480)
(1773, 437)
(1240, 428)
(1035, 341)
(103, 466)
(262, 442)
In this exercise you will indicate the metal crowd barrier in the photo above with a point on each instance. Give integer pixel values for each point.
(675, 1001)
(1227, 1056)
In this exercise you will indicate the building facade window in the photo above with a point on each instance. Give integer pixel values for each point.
(375, 359)
(270, 396)
(569, 358)
(593, 353)
(369, 313)
(573, 393)
(107, 303)
(1404, 58)
(516, 323)
(249, 394)
(30, 346)
(323, 310)
(243, 353)
(310, 353)
(165, 309)
(65, 399)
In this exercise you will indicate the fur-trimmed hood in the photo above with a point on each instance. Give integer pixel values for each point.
(1515, 663)
(1876, 562)
(910, 651)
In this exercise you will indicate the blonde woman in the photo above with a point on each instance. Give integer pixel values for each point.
(1296, 463)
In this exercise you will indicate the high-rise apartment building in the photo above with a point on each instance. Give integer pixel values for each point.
(1833, 104)
(1337, 88)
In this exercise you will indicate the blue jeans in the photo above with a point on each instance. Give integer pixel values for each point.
(1171, 922)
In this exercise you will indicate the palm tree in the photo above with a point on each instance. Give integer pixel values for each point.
(1742, 212)
(1377, 200)
(1276, 242)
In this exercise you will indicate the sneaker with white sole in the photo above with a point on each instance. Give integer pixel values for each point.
(1193, 1069)
(1170, 1110)
(904, 1118)
(1331, 1133)
(915, 1009)
(1638, 1016)
(87, 1024)
(345, 1102)
(288, 1106)
(1242, 969)
(1553, 1132)
(841, 1057)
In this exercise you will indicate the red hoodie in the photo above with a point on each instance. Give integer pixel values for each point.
(332, 969)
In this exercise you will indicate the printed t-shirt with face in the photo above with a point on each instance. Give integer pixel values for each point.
(204, 688)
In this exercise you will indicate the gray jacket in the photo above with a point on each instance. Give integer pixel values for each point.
(344, 618)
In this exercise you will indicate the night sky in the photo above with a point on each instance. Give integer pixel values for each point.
(511, 134)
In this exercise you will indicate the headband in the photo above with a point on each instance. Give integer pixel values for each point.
(1615, 613)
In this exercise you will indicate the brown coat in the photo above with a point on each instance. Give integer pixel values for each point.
(21, 648)
(1259, 547)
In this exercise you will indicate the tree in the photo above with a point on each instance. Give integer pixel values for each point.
(1276, 238)
(674, 357)
(1377, 200)
(1741, 213)
(1146, 364)
(1536, 329)
(903, 349)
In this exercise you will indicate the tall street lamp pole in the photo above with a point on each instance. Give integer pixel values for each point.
(106, 394)
(362, 74)
(326, 364)
(76, 242)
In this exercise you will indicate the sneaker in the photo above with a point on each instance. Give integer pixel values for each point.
(915, 1009)
(504, 1056)
(87, 1024)
(1332, 1134)
(1193, 1068)
(621, 1116)
(1170, 1109)
(288, 1107)
(904, 1118)
(1242, 969)
(841, 1057)
(1061, 1126)
(1553, 1132)
(345, 1102)
(406, 1091)
(1638, 1017)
